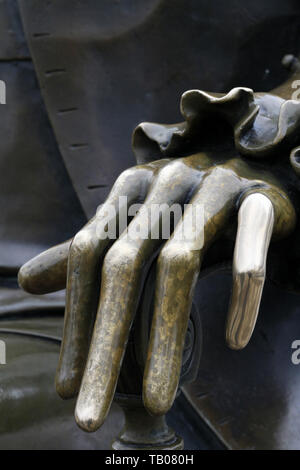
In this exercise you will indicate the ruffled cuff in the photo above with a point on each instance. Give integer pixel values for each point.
(261, 123)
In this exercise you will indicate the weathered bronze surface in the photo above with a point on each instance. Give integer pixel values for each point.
(226, 139)
(78, 82)
(62, 124)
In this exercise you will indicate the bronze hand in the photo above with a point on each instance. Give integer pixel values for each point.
(226, 181)
(95, 337)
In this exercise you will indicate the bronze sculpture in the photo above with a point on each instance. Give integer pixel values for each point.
(85, 116)
(221, 179)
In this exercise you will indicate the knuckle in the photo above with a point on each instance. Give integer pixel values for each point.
(171, 171)
(82, 242)
(176, 254)
(122, 255)
(29, 278)
(127, 175)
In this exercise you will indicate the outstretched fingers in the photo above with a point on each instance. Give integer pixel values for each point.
(177, 272)
(83, 275)
(123, 272)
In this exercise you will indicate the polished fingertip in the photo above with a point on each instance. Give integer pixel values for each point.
(236, 343)
(255, 228)
(32, 280)
(91, 409)
(66, 390)
(156, 408)
(85, 422)
(157, 404)
(24, 279)
(68, 387)
(87, 417)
